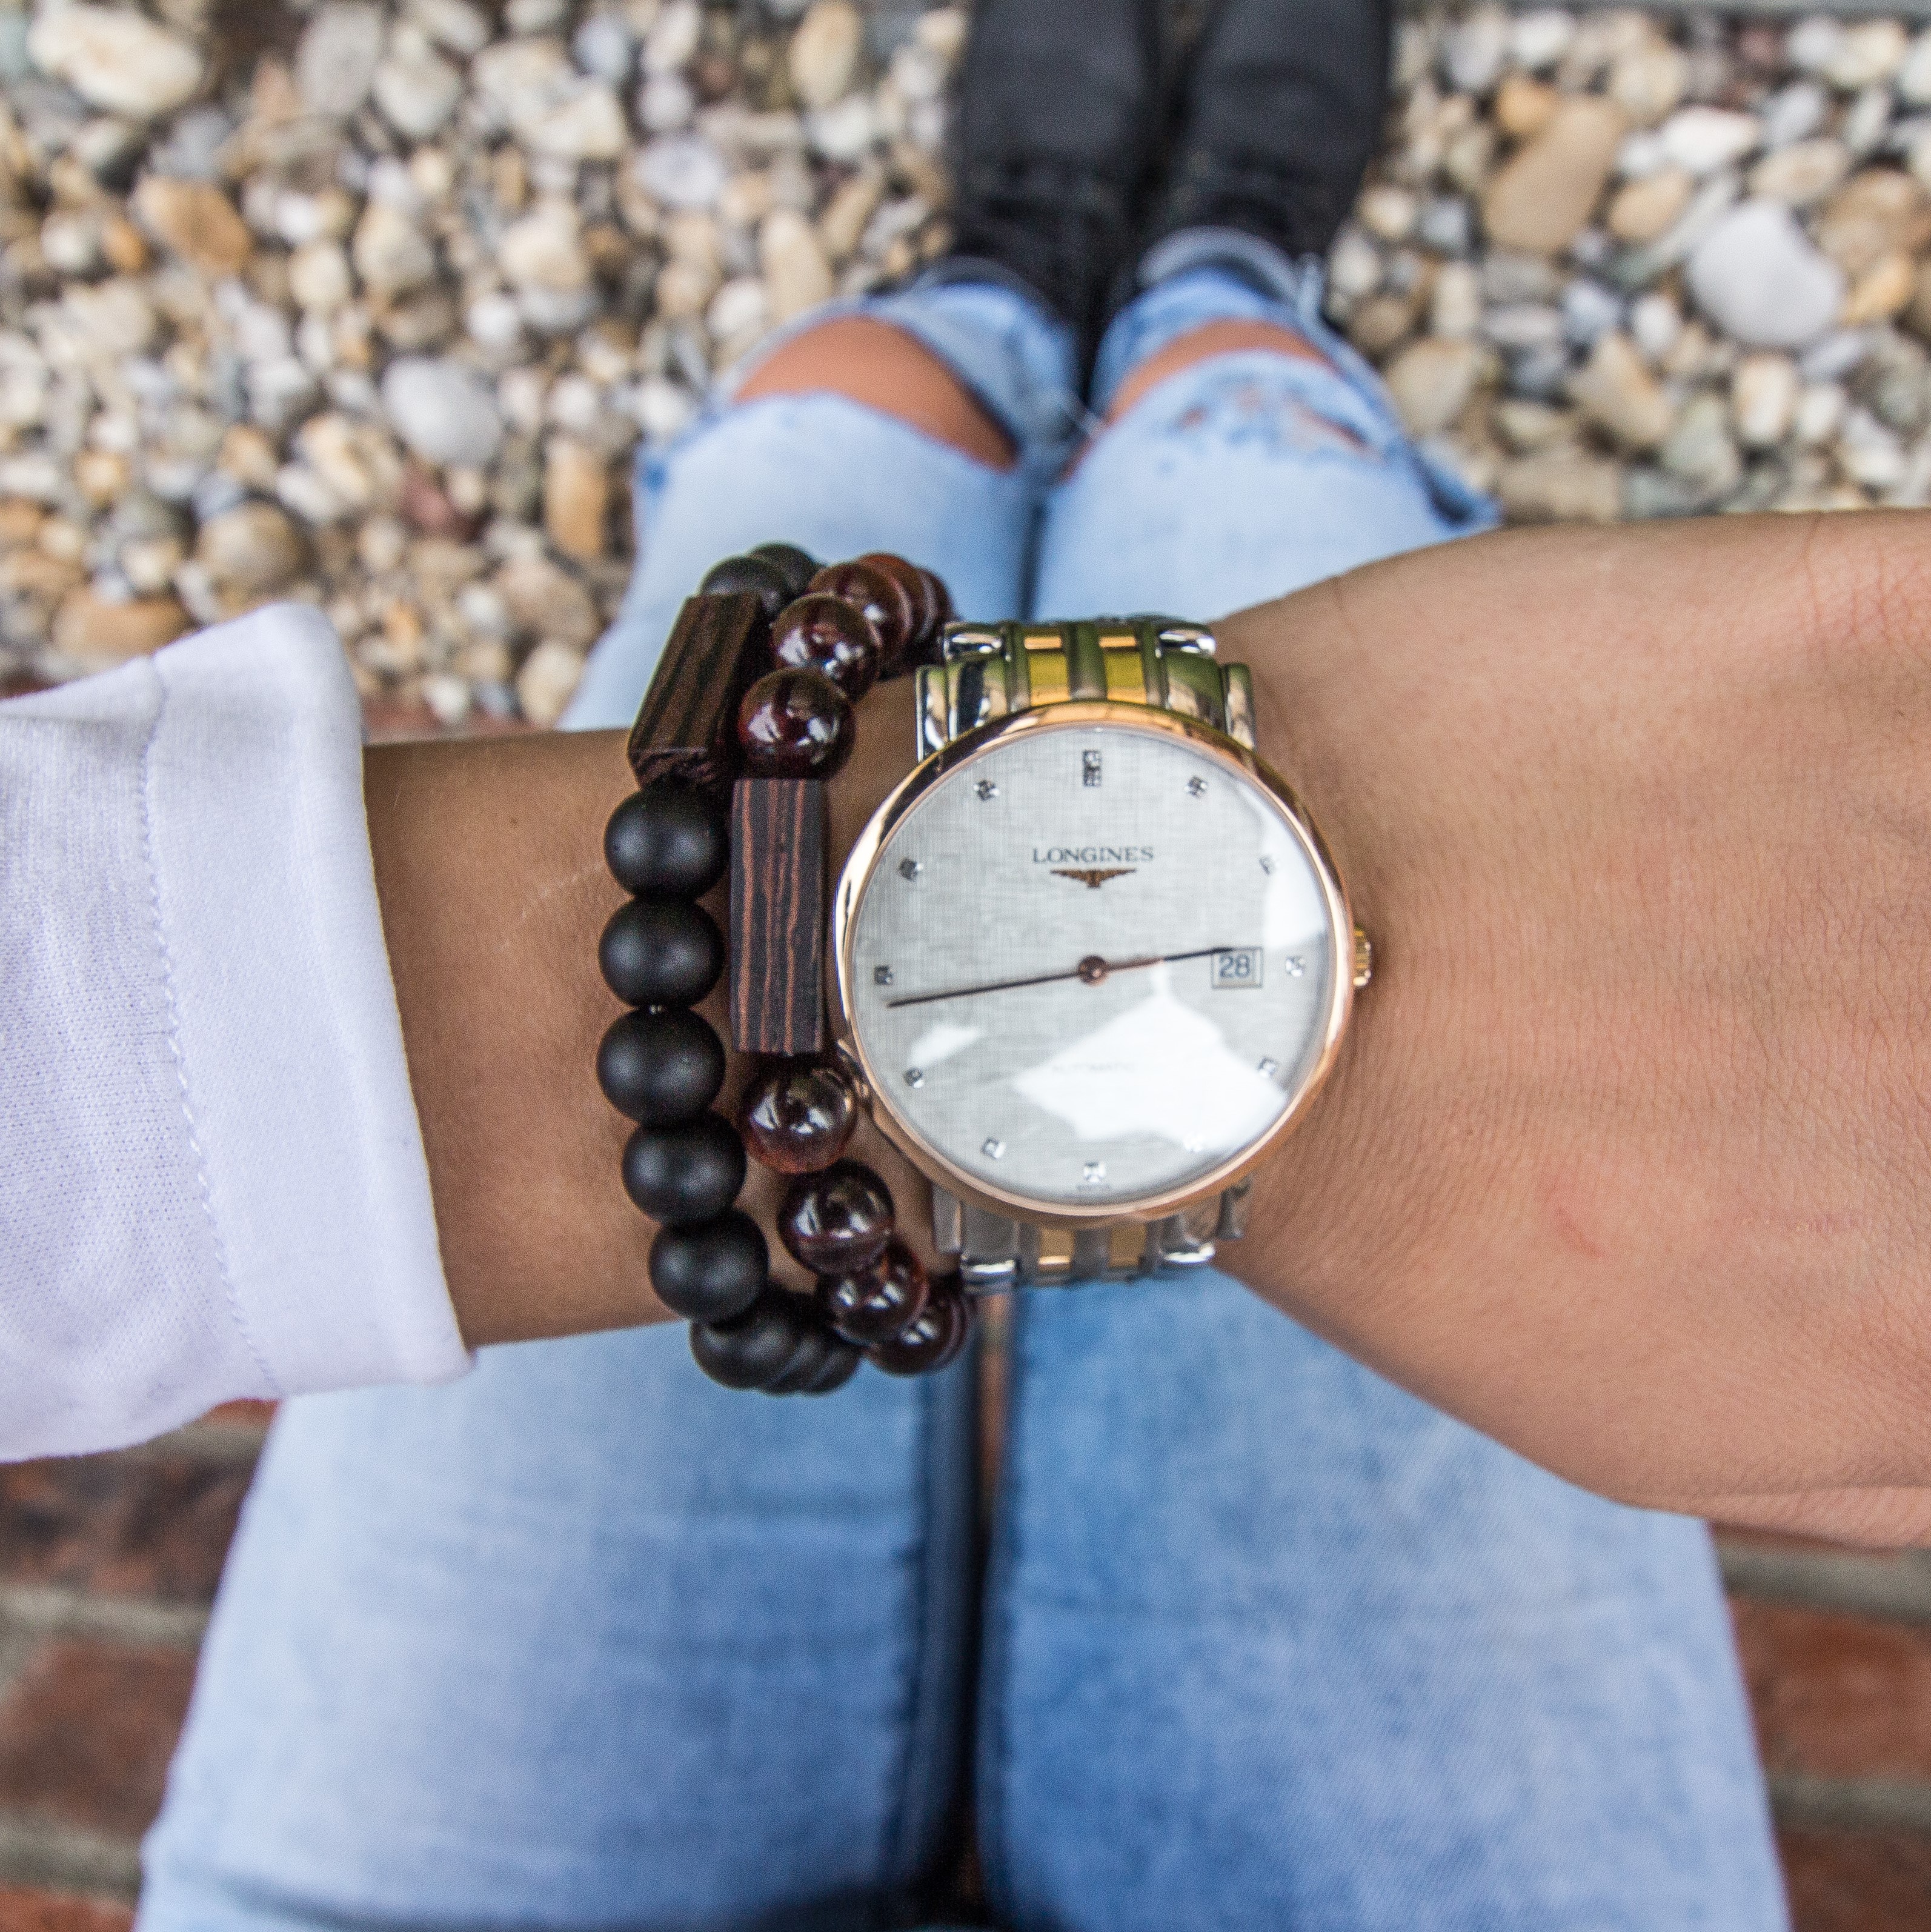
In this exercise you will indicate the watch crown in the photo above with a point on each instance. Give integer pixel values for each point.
(1364, 959)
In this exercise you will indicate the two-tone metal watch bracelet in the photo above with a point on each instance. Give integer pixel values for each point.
(990, 671)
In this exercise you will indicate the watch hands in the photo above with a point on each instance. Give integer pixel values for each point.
(1092, 970)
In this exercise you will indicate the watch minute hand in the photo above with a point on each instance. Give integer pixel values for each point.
(1092, 970)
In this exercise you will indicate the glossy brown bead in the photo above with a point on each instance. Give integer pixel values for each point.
(831, 637)
(836, 1222)
(794, 724)
(799, 1114)
(933, 1337)
(873, 1305)
(886, 602)
(923, 593)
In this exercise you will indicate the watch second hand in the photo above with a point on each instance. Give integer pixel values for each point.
(1082, 971)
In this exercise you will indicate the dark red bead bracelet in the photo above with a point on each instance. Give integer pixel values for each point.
(759, 684)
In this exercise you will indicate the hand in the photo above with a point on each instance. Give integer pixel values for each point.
(1628, 1158)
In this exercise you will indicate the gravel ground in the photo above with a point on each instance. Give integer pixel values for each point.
(369, 304)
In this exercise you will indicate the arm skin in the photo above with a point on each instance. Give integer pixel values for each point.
(1627, 1159)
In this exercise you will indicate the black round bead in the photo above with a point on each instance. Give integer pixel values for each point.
(752, 1350)
(817, 1345)
(679, 1175)
(712, 1272)
(840, 1367)
(837, 1221)
(799, 566)
(660, 1068)
(669, 840)
(933, 1337)
(759, 575)
(661, 952)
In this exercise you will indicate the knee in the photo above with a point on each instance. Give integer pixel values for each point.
(887, 369)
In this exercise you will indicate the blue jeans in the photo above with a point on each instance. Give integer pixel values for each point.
(584, 1641)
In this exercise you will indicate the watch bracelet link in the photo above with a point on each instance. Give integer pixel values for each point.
(990, 671)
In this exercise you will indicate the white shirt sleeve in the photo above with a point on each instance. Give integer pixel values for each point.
(212, 1183)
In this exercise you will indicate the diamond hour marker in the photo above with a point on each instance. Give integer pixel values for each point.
(909, 869)
(915, 1076)
(1267, 862)
(1092, 1174)
(1296, 966)
(1198, 786)
(987, 790)
(994, 1148)
(1270, 1067)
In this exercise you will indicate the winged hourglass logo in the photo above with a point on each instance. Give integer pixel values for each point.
(1093, 877)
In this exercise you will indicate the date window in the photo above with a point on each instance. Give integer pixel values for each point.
(1237, 969)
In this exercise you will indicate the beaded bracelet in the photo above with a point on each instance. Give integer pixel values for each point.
(826, 635)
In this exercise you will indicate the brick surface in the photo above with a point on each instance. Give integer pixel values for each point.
(1837, 1696)
(1857, 1882)
(50, 1912)
(86, 1730)
(155, 1525)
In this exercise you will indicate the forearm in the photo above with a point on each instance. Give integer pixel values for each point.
(489, 862)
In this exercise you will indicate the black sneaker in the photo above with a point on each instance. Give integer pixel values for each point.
(1280, 114)
(1056, 123)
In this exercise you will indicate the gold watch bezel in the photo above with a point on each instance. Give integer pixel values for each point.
(1083, 715)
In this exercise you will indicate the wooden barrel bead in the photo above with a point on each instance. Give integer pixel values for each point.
(661, 952)
(886, 602)
(764, 579)
(873, 1305)
(799, 1114)
(922, 591)
(668, 841)
(661, 1067)
(797, 567)
(712, 1272)
(933, 1337)
(838, 1222)
(752, 1349)
(682, 1174)
(830, 636)
(794, 724)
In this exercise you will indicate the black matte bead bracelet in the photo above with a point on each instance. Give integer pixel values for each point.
(827, 635)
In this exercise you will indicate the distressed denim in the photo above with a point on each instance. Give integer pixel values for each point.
(1265, 1642)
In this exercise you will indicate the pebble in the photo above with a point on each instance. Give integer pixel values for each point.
(823, 57)
(336, 59)
(250, 551)
(1802, 173)
(1643, 210)
(1883, 291)
(97, 634)
(1560, 485)
(548, 681)
(1541, 197)
(683, 171)
(1475, 49)
(1759, 277)
(1914, 74)
(1763, 398)
(416, 88)
(1699, 450)
(1702, 139)
(389, 252)
(1432, 381)
(196, 220)
(1617, 390)
(1868, 53)
(576, 497)
(797, 276)
(116, 58)
(1646, 82)
(444, 412)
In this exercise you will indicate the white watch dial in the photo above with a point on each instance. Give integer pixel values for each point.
(1091, 964)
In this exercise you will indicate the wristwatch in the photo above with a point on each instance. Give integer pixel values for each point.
(1092, 959)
